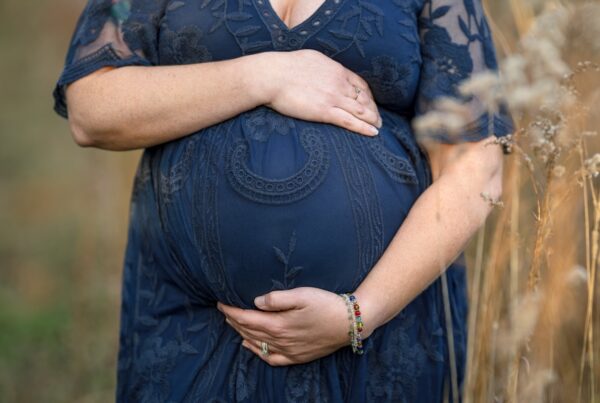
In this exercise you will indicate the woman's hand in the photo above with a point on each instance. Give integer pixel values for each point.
(307, 84)
(299, 325)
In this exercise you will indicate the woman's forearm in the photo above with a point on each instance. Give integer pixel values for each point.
(437, 228)
(139, 106)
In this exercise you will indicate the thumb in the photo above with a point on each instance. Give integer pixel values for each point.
(278, 300)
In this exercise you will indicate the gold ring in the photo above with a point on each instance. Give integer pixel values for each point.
(264, 348)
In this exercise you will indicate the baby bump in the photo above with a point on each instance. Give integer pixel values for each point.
(264, 201)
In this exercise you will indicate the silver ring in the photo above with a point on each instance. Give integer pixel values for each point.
(357, 91)
(264, 348)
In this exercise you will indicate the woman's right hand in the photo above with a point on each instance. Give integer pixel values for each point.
(309, 85)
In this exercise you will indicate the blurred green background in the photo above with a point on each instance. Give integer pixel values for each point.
(63, 221)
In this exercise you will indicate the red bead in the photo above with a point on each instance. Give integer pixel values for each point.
(357, 313)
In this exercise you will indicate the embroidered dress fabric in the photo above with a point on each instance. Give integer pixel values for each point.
(263, 201)
(456, 43)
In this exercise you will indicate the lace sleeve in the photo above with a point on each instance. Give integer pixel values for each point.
(110, 33)
(456, 43)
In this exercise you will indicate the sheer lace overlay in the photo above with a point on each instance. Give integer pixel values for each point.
(110, 33)
(456, 43)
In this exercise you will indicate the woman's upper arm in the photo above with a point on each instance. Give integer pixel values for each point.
(456, 44)
(72, 91)
(109, 33)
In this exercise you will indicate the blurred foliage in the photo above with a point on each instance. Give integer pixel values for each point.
(63, 222)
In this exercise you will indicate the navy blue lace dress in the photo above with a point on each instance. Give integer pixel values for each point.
(263, 201)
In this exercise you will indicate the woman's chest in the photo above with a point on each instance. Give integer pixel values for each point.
(293, 12)
(377, 39)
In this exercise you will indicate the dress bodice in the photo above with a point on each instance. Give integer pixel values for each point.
(411, 52)
(348, 31)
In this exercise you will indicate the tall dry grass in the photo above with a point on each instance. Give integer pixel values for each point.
(534, 321)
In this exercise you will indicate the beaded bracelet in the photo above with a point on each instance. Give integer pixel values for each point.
(350, 317)
(356, 325)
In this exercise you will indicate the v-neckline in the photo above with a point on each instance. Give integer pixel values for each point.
(320, 10)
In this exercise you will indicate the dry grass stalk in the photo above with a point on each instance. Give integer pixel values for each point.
(532, 327)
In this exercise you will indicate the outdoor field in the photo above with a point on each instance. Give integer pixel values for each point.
(534, 324)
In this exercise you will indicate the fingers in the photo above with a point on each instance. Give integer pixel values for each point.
(283, 300)
(350, 92)
(266, 324)
(343, 118)
(363, 105)
(248, 318)
(249, 333)
(275, 359)
(254, 324)
(253, 339)
(256, 343)
(367, 112)
(360, 82)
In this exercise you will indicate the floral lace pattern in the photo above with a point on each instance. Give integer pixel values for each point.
(388, 78)
(397, 368)
(262, 121)
(454, 47)
(185, 46)
(263, 201)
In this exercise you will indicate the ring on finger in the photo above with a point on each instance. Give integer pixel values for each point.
(264, 347)
(357, 91)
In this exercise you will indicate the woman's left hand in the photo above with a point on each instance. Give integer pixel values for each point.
(299, 325)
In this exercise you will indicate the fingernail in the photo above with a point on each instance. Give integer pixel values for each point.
(374, 130)
(259, 301)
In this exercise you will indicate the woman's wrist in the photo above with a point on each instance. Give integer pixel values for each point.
(370, 311)
(259, 68)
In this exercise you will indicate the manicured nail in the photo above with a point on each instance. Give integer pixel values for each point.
(259, 301)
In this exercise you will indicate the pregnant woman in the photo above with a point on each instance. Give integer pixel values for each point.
(264, 192)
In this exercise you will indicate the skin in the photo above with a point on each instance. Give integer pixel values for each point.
(137, 106)
(293, 12)
(134, 107)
